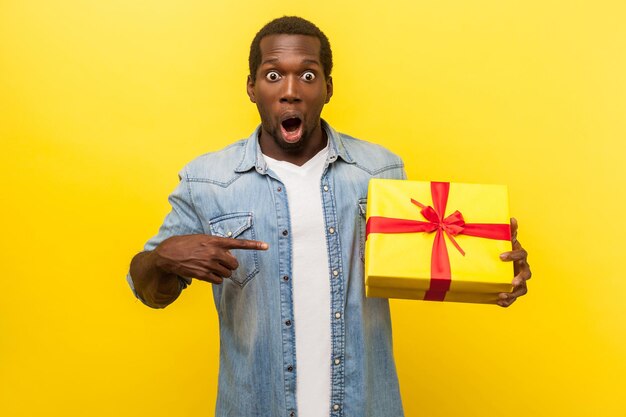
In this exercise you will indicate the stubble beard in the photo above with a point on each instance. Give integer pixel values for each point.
(288, 146)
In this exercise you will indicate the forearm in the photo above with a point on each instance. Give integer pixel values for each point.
(156, 287)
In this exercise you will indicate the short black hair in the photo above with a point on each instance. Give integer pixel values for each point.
(290, 25)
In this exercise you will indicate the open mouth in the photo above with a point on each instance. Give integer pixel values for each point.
(291, 129)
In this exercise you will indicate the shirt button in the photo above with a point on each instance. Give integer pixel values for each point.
(331, 230)
(326, 188)
(285, 278)
(337, 315)
(229, 234)
(288, 322)
(290, 368)
(337, 361)
(335, 273)
(279, 189)
(336, 407)
(292, 414)
(285, 232)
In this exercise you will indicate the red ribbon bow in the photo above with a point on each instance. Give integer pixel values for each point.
(454, 224)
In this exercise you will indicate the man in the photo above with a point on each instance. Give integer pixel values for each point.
(276, 223)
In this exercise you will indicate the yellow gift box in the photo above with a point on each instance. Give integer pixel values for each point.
(437, 241)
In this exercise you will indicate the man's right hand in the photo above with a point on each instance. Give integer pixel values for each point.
(204, 257)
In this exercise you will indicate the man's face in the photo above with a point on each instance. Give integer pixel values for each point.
(290, 91)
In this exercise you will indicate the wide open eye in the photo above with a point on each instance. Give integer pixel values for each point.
(308, 76)
(272, 76)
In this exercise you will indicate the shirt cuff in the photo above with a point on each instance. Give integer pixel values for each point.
(183, 282)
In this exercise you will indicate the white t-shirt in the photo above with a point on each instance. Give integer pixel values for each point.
(311, 282)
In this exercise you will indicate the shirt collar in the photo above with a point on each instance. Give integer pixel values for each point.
(253, 158)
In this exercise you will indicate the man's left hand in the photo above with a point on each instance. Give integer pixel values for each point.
(519, 257)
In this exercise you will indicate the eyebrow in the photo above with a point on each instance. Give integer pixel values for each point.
(304, 61)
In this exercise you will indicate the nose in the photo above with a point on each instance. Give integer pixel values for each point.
(290, 92)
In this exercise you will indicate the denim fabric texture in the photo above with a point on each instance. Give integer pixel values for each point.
(232, 193)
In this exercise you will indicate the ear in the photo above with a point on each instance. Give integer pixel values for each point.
(329, 89)
(250, 88)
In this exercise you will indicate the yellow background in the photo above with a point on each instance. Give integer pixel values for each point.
(102, 102)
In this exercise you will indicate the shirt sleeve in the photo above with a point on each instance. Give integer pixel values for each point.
(181, 220)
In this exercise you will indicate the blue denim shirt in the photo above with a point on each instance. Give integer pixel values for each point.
(232, 193)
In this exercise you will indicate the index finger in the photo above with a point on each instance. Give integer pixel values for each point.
(230, 243)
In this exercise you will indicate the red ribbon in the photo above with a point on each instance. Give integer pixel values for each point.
(454, 224)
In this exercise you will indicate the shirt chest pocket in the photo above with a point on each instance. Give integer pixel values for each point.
(238, 226)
